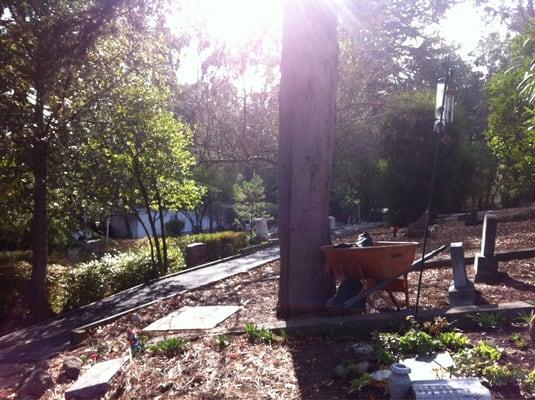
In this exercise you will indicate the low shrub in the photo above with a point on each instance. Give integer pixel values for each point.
(220, 244)
(69, 286)
(453, 341)
(174, 227)
(169, 347)
(90, 281)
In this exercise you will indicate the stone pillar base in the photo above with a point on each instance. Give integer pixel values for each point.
(464, 296)
(486, 269)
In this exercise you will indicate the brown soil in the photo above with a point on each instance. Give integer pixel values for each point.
(286, 369)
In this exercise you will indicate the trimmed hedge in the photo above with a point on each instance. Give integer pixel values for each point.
(73, 286)
(220, 244)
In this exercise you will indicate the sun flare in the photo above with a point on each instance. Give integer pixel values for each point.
(228, 21)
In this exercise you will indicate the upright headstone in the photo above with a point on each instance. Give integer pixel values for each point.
(486, 264)
(196, 254)
(417, 229)
(332, 223)
(471, 219)
(261, 228)
(461, 291)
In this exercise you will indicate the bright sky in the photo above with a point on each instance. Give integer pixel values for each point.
(463, 25)
(233, 21)
(228, 21)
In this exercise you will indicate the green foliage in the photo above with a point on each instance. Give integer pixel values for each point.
(169, 347)
(417, 342)
(472, 361)
(357, 384)
(488, 320)
(256, 334)
(499, 375)
(519, 341)
(526, 317)
(220, 244)
(70, 287)
(528, 382)
(511, 119)
(250, 199)
(174, 227)
(222, 340)
(436, 326)
(453, 341)
(384, 357)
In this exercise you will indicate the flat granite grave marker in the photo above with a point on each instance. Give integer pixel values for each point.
(461, 291)
(486, 264)
(186, 318)
(429, 367)
(96, 380)
(450, 389)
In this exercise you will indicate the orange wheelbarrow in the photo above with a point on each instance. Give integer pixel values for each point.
(373, 264)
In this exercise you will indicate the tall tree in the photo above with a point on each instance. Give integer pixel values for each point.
(43, 47)
(307, 126)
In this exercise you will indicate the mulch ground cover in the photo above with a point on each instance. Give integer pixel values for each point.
(234, 367)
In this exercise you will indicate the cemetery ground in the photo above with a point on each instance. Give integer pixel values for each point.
(240, 359)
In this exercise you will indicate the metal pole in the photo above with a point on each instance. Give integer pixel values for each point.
(433, 178)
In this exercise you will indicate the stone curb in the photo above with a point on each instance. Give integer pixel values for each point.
(386, 321)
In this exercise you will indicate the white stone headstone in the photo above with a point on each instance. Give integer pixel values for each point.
(332, 223)
(261, 228)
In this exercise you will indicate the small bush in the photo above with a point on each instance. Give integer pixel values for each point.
(499, 375)
(453, 341)
(489, 320)
(417, 342)
(220, 244)
(256, 334)
(93, 280)
(168, 347)
(174, 227)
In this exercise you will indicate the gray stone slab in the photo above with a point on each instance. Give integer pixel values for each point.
(96, 380)
(203, 317)
(429, 367)
(450, 389)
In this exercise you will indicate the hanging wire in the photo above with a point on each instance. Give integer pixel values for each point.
(439, 130)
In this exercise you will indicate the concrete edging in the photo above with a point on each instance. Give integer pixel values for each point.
(352, 324)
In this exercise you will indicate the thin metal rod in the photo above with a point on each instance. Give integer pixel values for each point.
(433, 179)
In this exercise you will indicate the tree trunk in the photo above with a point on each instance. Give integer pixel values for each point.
(307, 127)
(37, 295)
(162, 228)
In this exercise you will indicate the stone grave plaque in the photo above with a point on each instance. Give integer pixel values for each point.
(96, 380)
(186, 318)
(450, 389)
